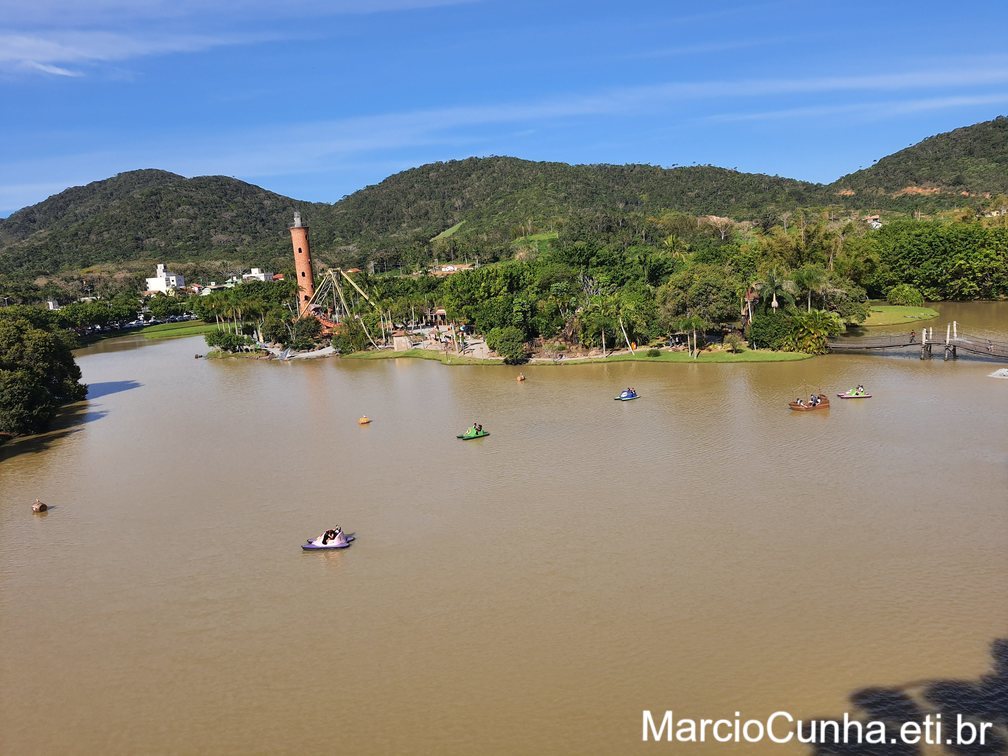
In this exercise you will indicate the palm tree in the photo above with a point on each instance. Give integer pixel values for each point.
(810, 278)
(692, 323)
(675, 246)
(773, 288)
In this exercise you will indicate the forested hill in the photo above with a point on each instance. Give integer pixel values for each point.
(973, 159)
(503, 192)
(146, 215)
(483, 203)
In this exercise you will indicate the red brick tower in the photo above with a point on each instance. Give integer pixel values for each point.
(302, 264)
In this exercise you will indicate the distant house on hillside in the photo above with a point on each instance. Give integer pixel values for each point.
(873, 222)
(213, 286)
(257, 275)
(165, 281)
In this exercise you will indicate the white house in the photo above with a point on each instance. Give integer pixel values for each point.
(257, 275)
(165, 281)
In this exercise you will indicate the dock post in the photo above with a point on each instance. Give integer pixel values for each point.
(955, 330)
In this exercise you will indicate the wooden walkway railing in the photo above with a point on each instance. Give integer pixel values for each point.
(873, 342)
(953, 343)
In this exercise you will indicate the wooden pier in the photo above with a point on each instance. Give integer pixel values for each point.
(953, 343)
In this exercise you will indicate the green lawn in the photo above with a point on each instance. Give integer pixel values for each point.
(176, 330)
(448, 231)
(884, 315)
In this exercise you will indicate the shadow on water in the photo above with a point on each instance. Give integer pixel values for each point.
(67, 422)
(975, 701)
(104, 388)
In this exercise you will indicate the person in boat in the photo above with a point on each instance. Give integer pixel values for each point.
(799, 402)
(329, 535)
(479, 428)
(813, 400)
(860, 389)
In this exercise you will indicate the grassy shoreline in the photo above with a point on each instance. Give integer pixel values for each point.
(423, 354)
(176, 330)
(885, 315)
(640, 356)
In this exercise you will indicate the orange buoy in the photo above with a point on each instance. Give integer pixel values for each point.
(520, 378)
(364, 420)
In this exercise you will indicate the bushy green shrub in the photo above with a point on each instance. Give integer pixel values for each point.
(811, 331)
(734, 343)
(227, 341)
(905, 294)
(654, 352)
(771, 330)
(349, 337)
(304, 334)
(509, 343)
(807, 332)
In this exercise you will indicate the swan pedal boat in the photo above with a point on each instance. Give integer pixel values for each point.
(470, 436)
(625, 397)
(823, 404)
(342, 541)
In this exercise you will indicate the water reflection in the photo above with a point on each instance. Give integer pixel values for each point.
(979, 701)
(68, 421)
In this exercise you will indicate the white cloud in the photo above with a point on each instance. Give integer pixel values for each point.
(114, 13)
(50, 52)
(48, 35)
(870, 110)
(34, 65)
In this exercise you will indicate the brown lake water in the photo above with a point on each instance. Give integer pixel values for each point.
(702, 549)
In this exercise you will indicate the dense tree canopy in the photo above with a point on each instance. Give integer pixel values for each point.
(37, 370)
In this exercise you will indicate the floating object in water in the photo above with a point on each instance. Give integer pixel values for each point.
(39, 506)
(823, 404)
(520, 378)
(849, 395)
(467, 436)
(331, 539)
(364, 420)
(626, 396)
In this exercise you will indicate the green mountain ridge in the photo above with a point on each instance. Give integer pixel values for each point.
(151, 214)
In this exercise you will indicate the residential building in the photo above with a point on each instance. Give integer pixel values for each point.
(165, 281)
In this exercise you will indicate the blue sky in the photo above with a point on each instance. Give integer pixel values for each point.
(318, 98)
